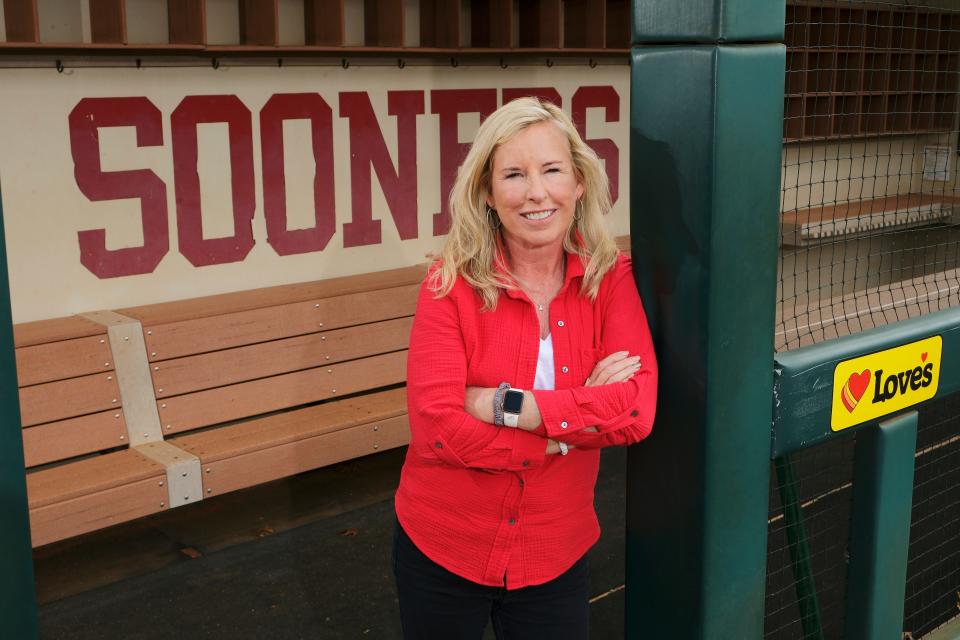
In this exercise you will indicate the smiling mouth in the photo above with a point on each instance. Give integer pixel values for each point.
(538, 215)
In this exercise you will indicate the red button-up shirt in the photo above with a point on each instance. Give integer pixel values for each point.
(486, 502)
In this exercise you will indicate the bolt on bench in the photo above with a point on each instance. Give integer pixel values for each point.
(131, 412)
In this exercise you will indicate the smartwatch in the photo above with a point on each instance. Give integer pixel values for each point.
(512, 405)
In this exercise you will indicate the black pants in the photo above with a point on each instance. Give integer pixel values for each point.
(436, 604)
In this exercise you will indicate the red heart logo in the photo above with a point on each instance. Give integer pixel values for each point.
(858, 383)
(923, 356)
(853, 390)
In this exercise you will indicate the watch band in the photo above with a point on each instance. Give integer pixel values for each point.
(498, 403)
(511, 419)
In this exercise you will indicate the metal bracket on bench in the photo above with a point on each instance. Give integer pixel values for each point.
(184, 483)
(133, 375)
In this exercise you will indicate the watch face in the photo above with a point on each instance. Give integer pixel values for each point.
(513, 401)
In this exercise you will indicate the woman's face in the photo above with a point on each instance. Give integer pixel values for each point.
(534, 187)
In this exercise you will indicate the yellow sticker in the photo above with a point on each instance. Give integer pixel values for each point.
(882, 383)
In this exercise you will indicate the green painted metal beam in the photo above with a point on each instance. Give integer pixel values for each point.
(803, 388)
(714, 21)
(18, 608)
(880, 529)
(705, 175)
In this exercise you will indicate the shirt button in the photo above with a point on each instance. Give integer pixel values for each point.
(563, 425)
(634, 413)
(513, 521)
(564, 369)
(439, 445)
(559, 323)
(521, 482)
(526, 463)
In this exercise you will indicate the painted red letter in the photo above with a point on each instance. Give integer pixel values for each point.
(448, 104)
(608, 98)
(85, 120)
(368, 149)
(191, 111)
(297, 106)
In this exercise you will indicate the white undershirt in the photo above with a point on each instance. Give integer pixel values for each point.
(545, 378)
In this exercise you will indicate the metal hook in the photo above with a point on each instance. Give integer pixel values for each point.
(549, 62)
(401, 63)
(454, 62)
(59, 66)
(503, 63)
(345, 63)
(139, 62)
(279, 63)
(593, 63)
(215, 63)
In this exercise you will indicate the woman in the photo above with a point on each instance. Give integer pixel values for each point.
(529, 352)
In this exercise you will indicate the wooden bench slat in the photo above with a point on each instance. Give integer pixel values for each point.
(265, 465)
(41, 363)
(226, 303)
(99, 473)
(230, 366)
(27, 334)
(272, 431)
(53, 401)
(190, 337)
(246, 399)
(74, 437)
(94, 511)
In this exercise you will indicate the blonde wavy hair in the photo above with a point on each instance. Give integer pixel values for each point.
(471, 247)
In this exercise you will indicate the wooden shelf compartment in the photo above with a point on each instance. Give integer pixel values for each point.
(259, 22)
(186, 22)
(796, 72)
(851, 27)
(821, 69)
(925, 72)
(900, 109)
(950, 32)
(618, 24)
(323, 23)
(849, 72)
(108, 21)
(903, 30)
(817, 117)
(491, 23)
(797, 26)
(21, 20)
(383, 23)
(440, 24)
(585, 23)
(846, 117)
(945, 111)
(874, 112)
(540, 23)
(877, 28)
(948, 73)
(793, 118)
(876, 71)
(901, 71)
(928, 31)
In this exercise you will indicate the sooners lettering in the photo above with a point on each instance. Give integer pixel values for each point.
(368, 156)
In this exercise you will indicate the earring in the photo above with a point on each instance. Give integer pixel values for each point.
(493, 219)
(578, 211)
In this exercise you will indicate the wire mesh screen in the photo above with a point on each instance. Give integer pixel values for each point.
(809, 526)
(869, 199)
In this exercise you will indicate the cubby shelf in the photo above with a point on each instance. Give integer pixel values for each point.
(539, 26)
(869, 70)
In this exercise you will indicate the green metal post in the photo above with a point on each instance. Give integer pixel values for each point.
(880, 529)
(18, 607)
(806, 587)
(706, 123)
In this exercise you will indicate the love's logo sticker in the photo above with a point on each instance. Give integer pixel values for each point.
(878, 384)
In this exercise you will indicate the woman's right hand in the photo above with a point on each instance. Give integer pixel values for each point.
(616, 367)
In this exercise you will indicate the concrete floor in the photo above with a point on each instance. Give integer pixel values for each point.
(305, 557)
